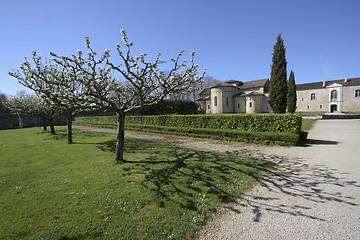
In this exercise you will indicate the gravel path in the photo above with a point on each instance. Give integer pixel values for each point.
(313, 194)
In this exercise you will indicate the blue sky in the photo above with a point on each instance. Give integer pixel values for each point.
(232, 39)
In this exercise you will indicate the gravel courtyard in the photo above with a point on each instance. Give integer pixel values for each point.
(313, 194)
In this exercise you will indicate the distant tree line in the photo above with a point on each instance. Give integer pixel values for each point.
(171, 107)
(3, 100)
(208, 81)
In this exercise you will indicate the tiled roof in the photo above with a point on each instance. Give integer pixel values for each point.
(249, 94)
(253, 84)
(231, 83)
(206, 91)
(243, 85)
(254, 94)
(204, 94)
(319, 85)
(234, 82)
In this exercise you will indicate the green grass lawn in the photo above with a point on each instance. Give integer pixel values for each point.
(307, 124)
(311, 114)
(54, 190)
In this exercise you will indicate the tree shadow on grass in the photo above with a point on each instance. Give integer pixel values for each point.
(186, 176)
(132, 145)
(292, 178)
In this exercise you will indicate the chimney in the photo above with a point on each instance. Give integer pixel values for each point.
(324, 84)
(346, 79)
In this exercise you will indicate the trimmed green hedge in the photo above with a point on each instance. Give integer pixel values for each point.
(260, 128)
(276, 123)
(223, 134)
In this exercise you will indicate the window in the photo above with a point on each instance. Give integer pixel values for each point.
(250, 104)
(357, 93)
(307, 107)
(320, 106)
(238, 105)
(312, 96)
(333, 94)
(208, 106)
(215, 101)
(227, 101)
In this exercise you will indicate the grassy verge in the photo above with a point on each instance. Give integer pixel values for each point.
(307, 124)
(54, 190)
(311, 114)
(353, 113)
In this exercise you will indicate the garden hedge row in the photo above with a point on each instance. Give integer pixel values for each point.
(223, 134)
(276, 123)
(259, 128)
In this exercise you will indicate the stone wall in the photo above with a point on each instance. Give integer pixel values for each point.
(9, 121)
(319, 103)
(351, 101)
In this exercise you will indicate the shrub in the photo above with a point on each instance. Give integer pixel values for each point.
(303, 136)
(243, 136)
(281, 129)
(257, 122)
(171, 107)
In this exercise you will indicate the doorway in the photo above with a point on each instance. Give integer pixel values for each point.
(333, 108)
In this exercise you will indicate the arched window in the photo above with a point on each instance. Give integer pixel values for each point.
(250, 104)
(312, 96)
(215, 101)
(333, 95)
(357, 93)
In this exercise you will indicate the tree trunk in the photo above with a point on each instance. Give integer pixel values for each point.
(69, 128)
(44, 122)
(119, 154)
(52, 126)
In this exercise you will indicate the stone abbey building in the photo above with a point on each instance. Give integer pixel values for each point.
(251, 97)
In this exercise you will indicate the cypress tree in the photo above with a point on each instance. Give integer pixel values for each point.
(278, 78)
(291, 96)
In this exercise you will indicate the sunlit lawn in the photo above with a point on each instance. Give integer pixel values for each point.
(54, 190)
(307, 124)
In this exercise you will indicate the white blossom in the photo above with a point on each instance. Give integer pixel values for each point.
(87, 41)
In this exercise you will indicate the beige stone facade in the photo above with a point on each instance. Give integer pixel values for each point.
(329, 96)
(236, 97)
(251, 97)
